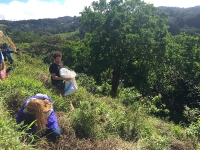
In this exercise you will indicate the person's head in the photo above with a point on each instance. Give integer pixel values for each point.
(39, 108)
(57, 56)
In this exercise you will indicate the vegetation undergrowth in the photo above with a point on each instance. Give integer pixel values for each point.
(96, 117)
(9, 137)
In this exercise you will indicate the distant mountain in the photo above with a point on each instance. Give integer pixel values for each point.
(180, 20)
(173, 10)
(41, 26)
(66, 18)
(183, 20)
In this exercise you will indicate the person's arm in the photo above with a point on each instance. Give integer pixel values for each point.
(52, 122)
(11, 44)
(8, 50)
(54, 77)
(20, 114)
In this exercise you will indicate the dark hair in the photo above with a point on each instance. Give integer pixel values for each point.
(57, 54)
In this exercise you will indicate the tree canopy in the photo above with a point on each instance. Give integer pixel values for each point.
(126, 37)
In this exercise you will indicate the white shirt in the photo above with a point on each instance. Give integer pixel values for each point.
(1, 54)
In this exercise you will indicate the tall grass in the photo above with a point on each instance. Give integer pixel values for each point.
(99, 117)
(10, 138)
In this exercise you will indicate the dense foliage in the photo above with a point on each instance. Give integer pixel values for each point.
(129, 42)
(98, 121)
(183, 20)
(142, 56)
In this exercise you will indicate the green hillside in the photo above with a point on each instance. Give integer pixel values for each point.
(98, 122)
(137, 73)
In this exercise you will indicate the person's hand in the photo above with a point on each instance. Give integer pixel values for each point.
(17, 52)
(67, 79)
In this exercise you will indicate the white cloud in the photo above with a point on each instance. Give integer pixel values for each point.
(76, 6)
(38, 9)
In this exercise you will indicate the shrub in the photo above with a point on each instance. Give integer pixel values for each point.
(193, 131)
(129, 95)
(84, 124)
(87, 82)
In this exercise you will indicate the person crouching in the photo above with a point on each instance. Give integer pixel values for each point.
(38, 113)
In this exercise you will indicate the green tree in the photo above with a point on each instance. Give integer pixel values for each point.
(178, 80)
(44, 47)
(27, 37)
(124, 36)
(77, 55)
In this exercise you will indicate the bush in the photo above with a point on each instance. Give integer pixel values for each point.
(129, 95)
(87, 82)
(84, 124)
(193, 131)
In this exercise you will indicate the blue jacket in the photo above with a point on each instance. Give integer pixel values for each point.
(7, 53)
(52, 122)
(1, 56)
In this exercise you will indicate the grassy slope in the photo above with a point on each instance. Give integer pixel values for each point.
(30, 76)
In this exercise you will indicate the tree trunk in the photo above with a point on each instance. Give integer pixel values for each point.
(115, 81)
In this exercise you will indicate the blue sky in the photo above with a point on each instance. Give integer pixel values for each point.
(39, 9)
